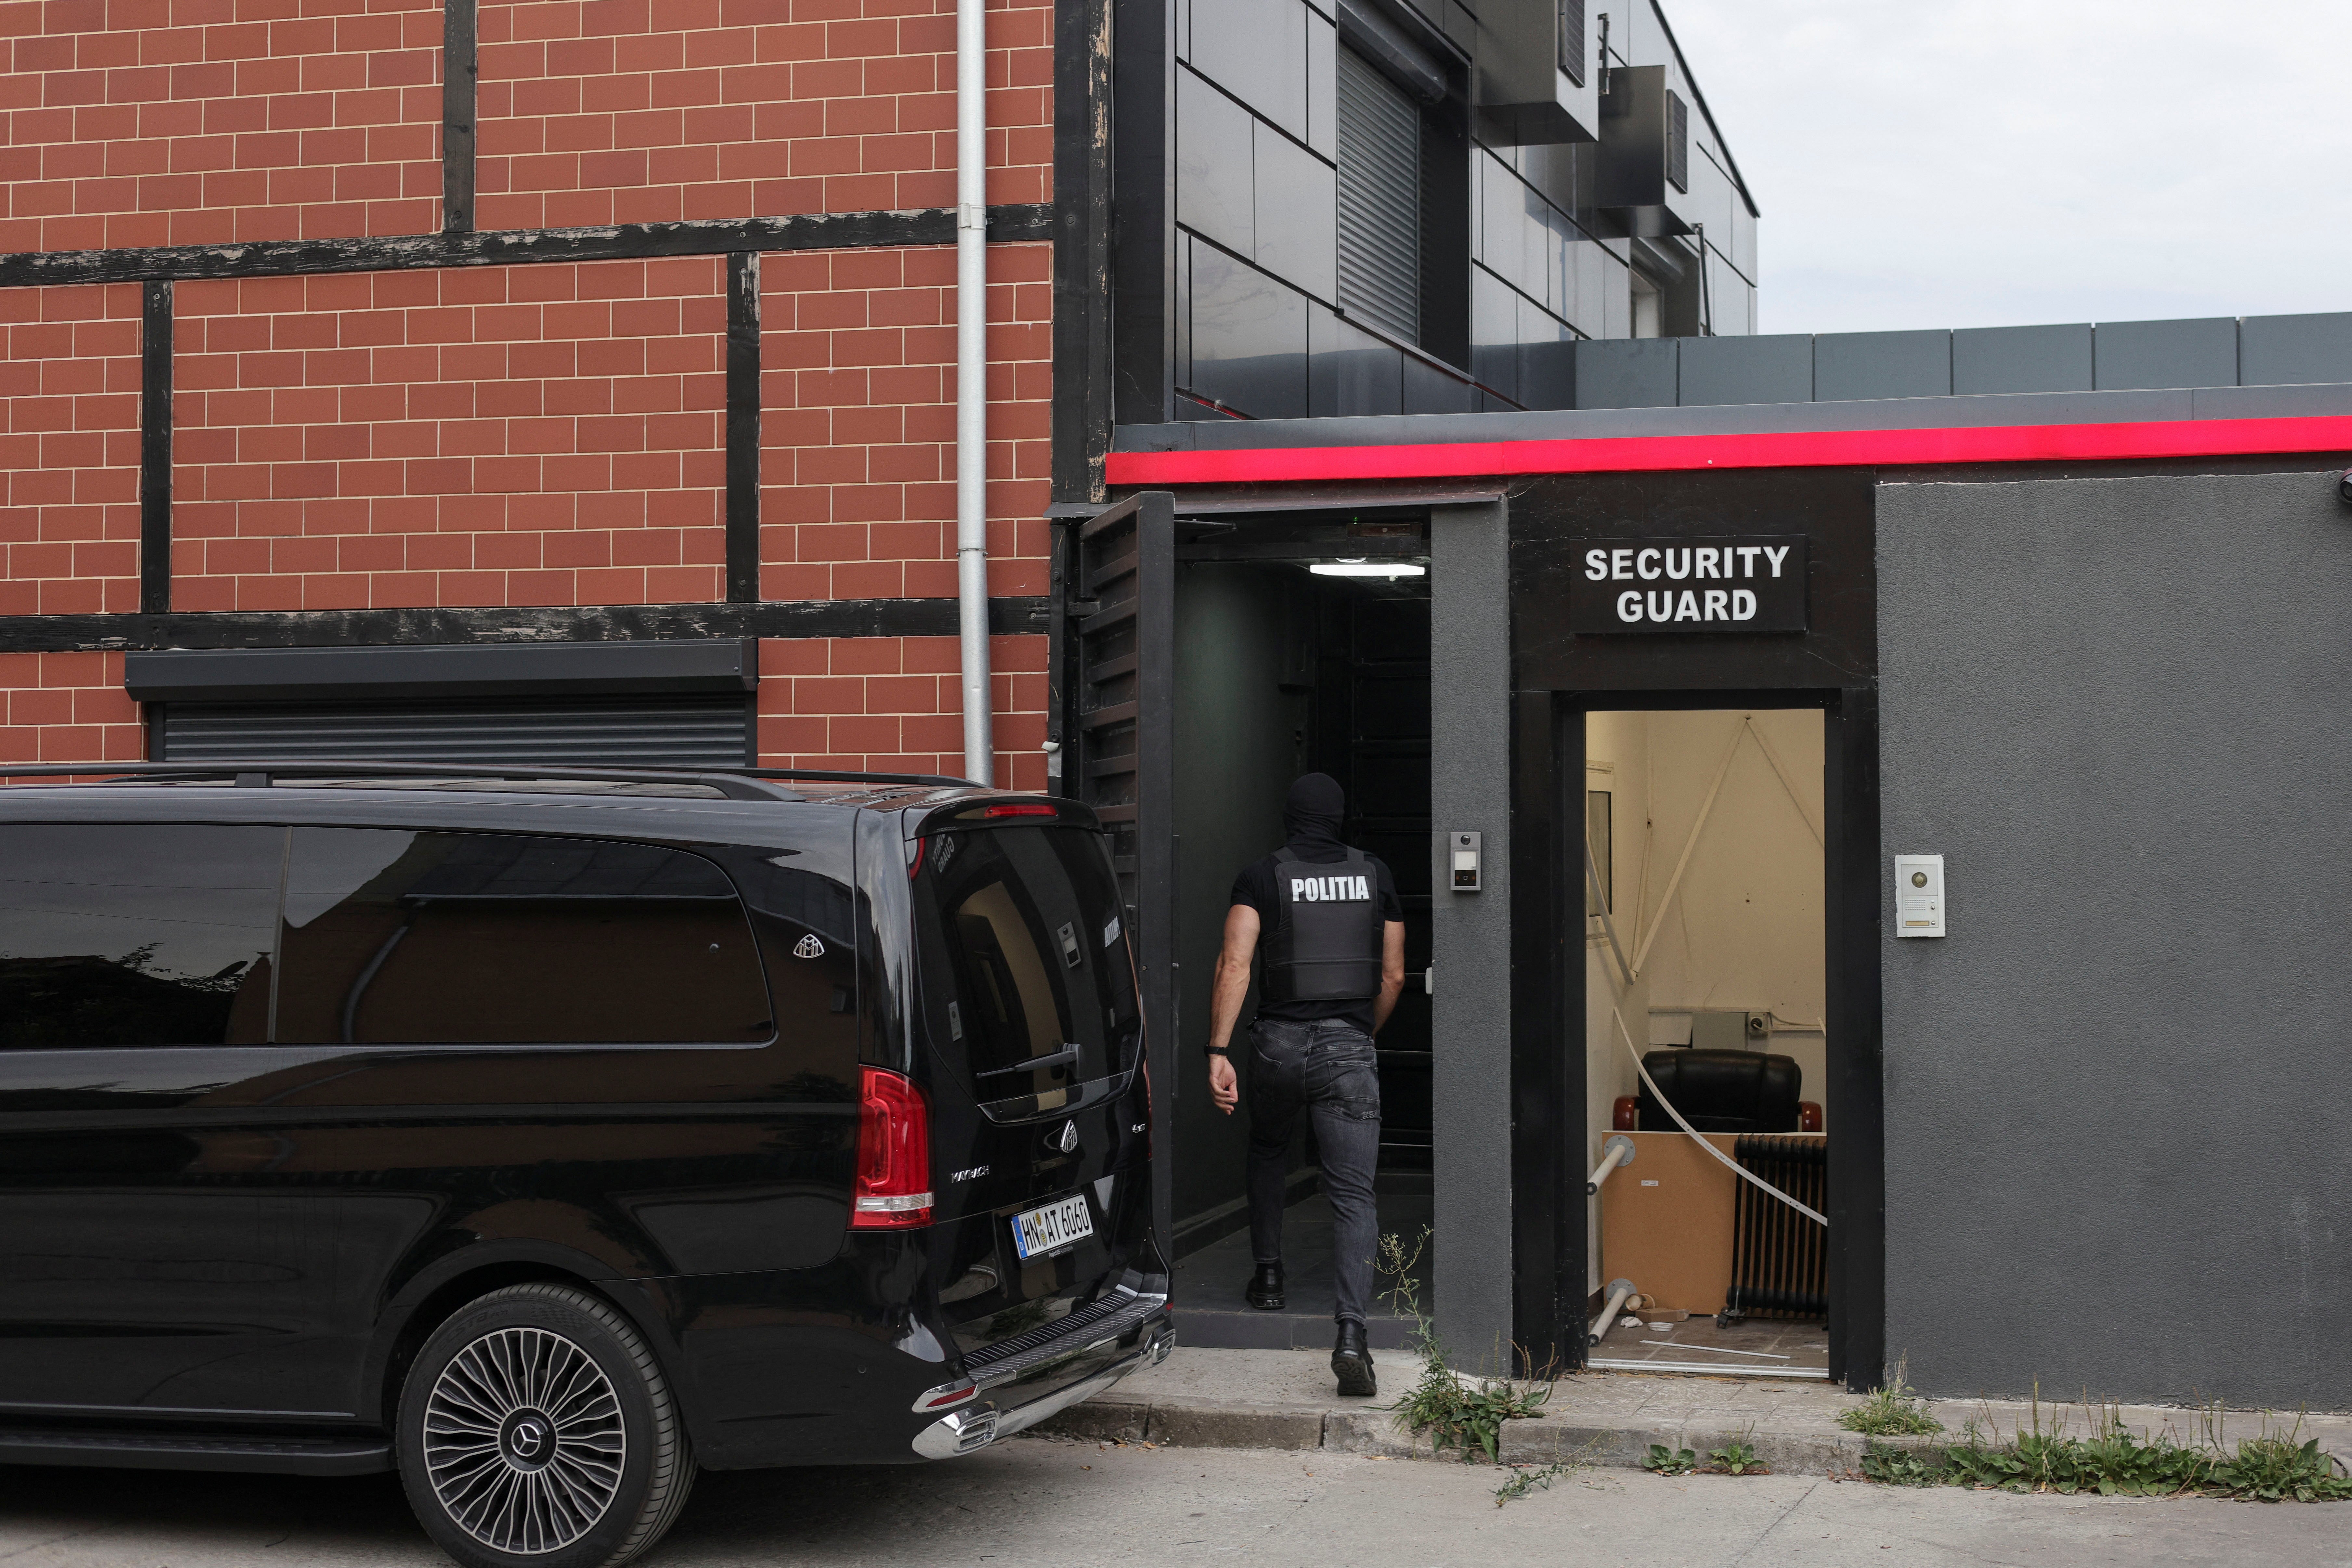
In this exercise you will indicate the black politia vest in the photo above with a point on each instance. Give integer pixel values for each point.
(1326, 947)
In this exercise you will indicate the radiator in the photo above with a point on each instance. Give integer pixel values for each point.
(1779, 1259)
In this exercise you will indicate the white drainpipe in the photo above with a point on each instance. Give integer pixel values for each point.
(972, 383)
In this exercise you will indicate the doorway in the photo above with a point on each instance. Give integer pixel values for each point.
(1279, 670)
(1706, 1039)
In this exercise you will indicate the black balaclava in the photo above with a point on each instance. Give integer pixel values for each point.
(1311, 818)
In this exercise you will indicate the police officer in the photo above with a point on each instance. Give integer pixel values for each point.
(1325, 924)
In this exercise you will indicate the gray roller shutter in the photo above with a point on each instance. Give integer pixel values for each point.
(1678, 143)
(1571, 39)
(588, 731)
(1380, 198)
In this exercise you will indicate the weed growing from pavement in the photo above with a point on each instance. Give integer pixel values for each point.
(1465, 1414)
(1893, 1411)
(2111, 1460)
(1667, 1460)
(1736, 1459)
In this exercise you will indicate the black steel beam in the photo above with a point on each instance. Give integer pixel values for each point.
(521, 624)
(1082, 233)
(742, 427)
(460, 74)
(1009, 223)
(155, 450)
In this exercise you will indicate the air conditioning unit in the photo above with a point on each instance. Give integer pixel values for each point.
(1537, 73)
(1644, 174)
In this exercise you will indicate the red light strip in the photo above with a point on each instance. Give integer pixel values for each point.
(1773, 449)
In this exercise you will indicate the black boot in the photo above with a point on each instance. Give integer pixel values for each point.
(1266, 1287)
(1351, 1361)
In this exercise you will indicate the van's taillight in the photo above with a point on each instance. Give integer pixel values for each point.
(1023, 811)
(894, 1154)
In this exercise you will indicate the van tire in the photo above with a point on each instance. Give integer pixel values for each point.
(476, 1381)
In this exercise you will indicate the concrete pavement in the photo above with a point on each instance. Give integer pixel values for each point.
(1042, 1503)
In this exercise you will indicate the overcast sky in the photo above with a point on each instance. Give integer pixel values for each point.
(1981, 162)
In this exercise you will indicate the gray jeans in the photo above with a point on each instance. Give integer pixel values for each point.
(1326, 1071)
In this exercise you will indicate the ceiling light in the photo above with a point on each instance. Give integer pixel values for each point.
(1361, 568)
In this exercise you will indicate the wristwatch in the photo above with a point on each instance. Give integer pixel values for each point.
(1218, 1050)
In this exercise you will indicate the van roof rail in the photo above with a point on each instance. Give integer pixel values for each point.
(738, 782)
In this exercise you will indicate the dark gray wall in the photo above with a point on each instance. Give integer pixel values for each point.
(2119, 1094)
(1237, 639)
(1470, 789)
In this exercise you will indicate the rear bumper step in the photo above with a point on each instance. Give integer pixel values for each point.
(1089, 1328)
(165, 1451)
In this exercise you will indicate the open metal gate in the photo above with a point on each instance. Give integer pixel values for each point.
(1118, 588)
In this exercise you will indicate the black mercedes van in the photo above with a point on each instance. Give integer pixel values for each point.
(545, 1134)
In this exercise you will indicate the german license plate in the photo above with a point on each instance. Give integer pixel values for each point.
(1063, 1223)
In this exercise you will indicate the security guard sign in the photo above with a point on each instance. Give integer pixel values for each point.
(1747, 583)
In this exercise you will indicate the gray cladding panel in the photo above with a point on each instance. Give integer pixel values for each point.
(1850, 366)
(1214, 164)
(2284, 350)
(1256, 50)
(1625, 373)
(1778, 368)
(2021, 359)
(1470, 774)
(2168, 354)
(2117, 1097)
(1295, 215)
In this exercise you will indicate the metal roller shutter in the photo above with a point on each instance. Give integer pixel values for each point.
(1380, 198)
(587, 731)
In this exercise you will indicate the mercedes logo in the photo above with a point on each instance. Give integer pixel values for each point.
(1066, 1139)
(529, 1436)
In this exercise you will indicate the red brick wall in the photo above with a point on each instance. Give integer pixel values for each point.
(68, 449)
(599, 111)
(894, 705)
(858, 363)
(545, 435)
(128, 122)
(66, 707)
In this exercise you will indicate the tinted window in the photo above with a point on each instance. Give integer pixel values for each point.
(1025, 923)
(403, 938)
(136, 935)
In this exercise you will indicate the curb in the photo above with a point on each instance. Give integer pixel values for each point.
(1373, 1431)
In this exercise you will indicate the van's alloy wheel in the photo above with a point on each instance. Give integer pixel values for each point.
(536, 1427)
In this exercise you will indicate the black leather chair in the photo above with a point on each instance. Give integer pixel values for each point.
(1723, 1091)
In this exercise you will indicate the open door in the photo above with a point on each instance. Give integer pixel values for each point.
(1118, 756)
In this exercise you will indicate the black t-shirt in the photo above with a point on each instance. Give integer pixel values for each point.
(1258, 888)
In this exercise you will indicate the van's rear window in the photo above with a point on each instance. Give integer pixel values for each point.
(395, 937)
(1025, 957)
(136, 934)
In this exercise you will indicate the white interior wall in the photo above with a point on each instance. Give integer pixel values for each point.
(1616, 754)
(1743, 930)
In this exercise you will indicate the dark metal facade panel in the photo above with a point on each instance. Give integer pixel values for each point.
(676, 732)
(2286, 350)
(2021, 359)
(1851, 366)
(312, 674)
(1778, 368)
(2167, 353)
